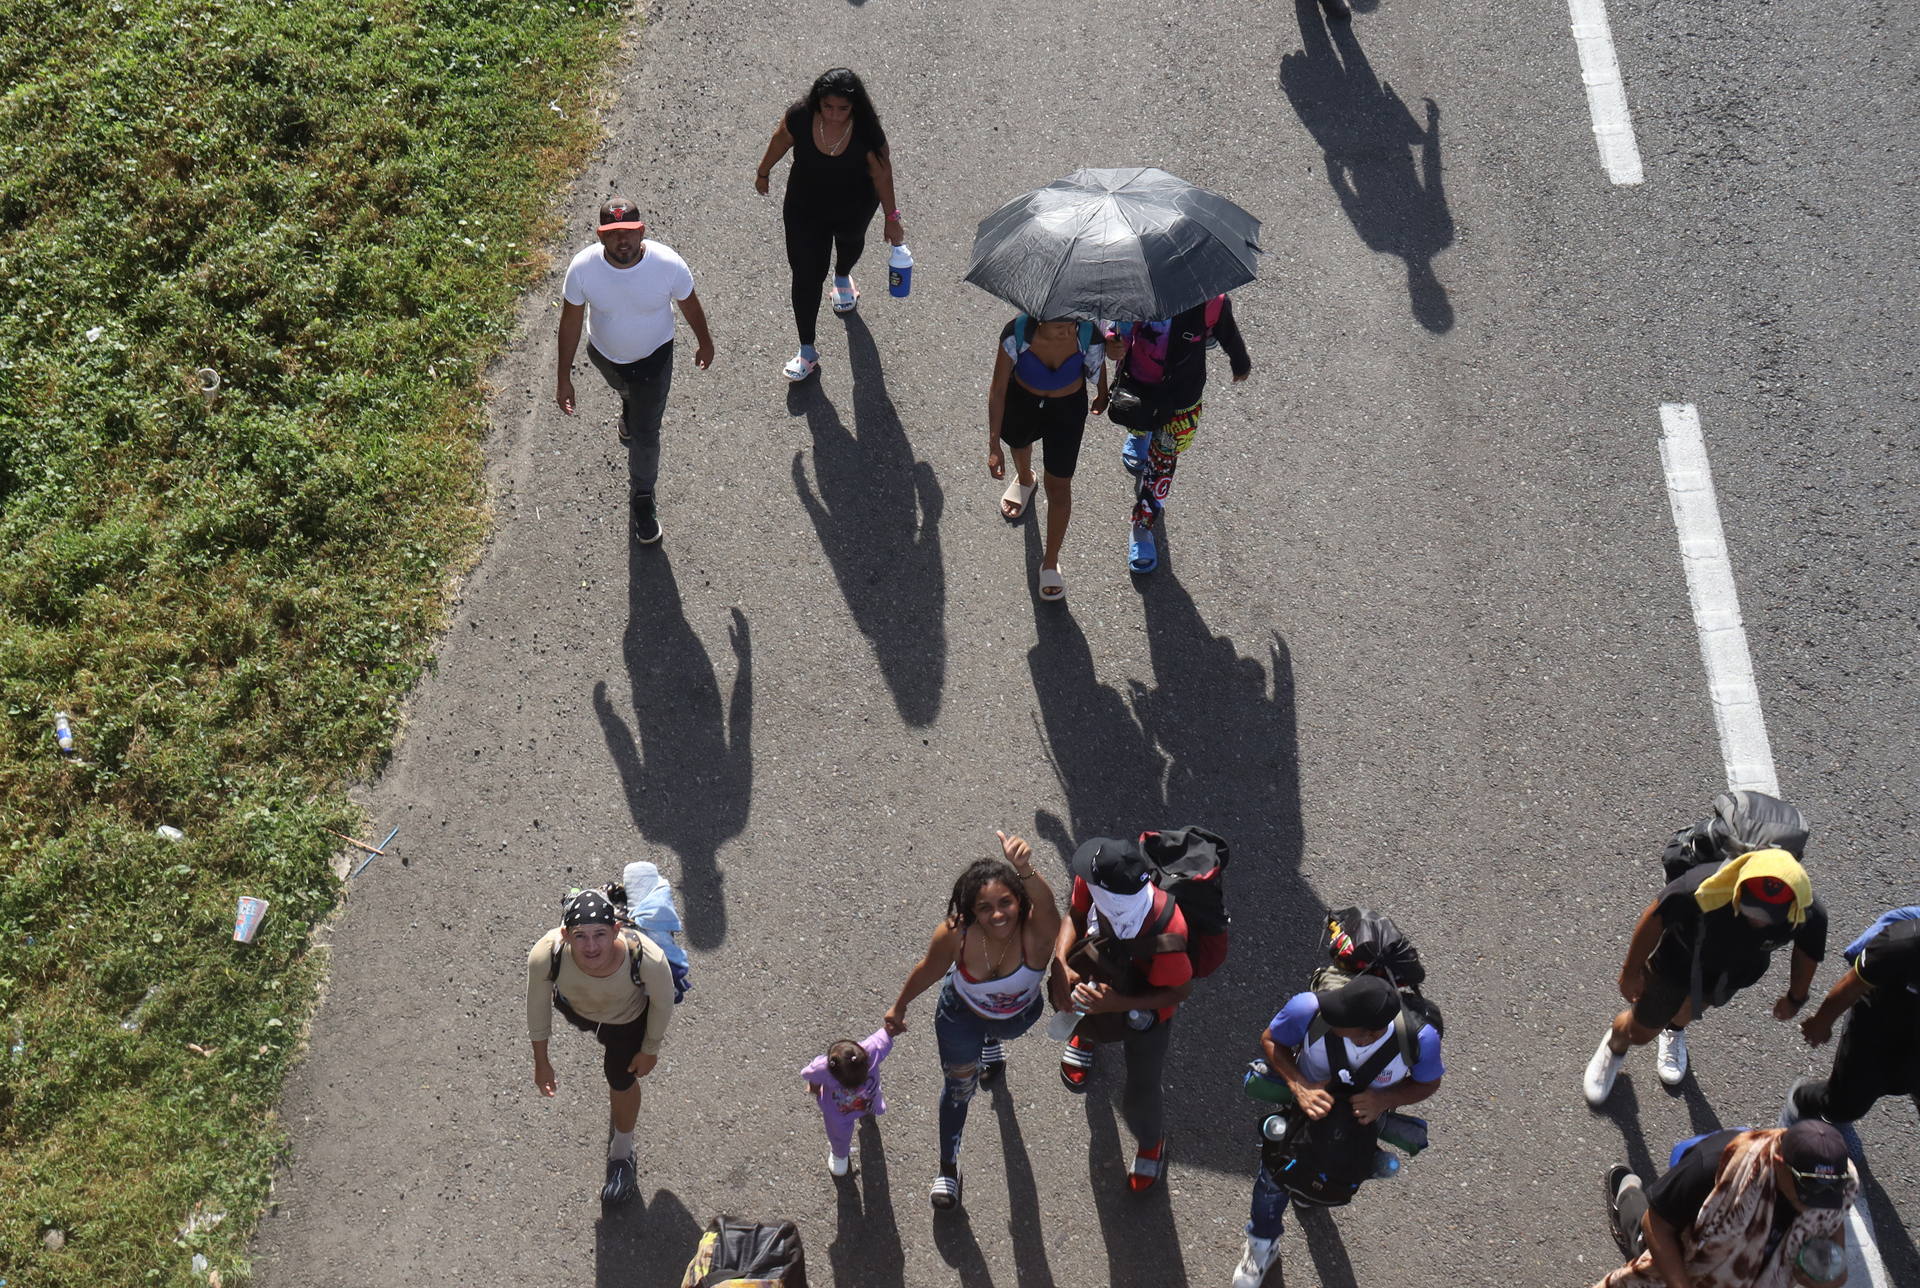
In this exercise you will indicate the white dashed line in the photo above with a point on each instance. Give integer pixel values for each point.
(1716, 605)
(1606, 96)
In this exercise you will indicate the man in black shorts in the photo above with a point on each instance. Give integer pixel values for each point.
(1879, 1051)
(1711, 933)
(616, 986)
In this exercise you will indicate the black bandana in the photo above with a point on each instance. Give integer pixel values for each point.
(588, 908)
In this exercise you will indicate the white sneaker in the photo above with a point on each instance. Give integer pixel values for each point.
(838, 1164)
(1260, 1254)
(1671, 1063)
(1601, 1071)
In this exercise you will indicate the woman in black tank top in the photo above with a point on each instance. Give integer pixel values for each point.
(841, 174)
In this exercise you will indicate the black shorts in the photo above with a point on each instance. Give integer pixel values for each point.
(1661, 1000)
(1055, 423)
(621, 1041)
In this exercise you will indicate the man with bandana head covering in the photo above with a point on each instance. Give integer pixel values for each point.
(617, 986)
(1121, 961)
(1712, 932)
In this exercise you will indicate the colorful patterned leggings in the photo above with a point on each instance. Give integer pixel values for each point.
(1163, 457)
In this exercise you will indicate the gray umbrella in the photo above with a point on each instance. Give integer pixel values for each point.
(1129, 245)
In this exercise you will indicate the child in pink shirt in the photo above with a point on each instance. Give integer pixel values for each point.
(846, 1083)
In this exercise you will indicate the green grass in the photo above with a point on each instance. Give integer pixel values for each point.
(333, 205)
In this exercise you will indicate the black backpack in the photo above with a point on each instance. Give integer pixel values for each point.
(1742, 822)
(1361, 941)
(748, 1254)
(1187, 863)
(1322, 1162)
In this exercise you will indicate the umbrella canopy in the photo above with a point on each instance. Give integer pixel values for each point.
(1127, 245)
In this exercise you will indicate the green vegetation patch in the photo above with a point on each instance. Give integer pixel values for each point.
(331, 205)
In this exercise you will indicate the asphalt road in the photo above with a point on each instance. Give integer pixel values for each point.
(1420, 639)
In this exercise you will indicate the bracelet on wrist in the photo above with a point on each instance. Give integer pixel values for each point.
(764, 174)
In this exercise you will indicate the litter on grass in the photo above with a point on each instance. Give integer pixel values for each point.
(201, 1219)
(54, 1240)
(247, 920)
(209, 381)
(132, 1022)
(381, 849)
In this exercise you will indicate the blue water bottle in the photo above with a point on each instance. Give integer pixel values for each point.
(900, 271)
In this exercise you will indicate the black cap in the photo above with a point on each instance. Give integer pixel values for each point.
(619, 212)
(588, 908)
(1816, 1152)
(1366, 1002)
(1119, 866)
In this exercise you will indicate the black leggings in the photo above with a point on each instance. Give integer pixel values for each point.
(814, 239)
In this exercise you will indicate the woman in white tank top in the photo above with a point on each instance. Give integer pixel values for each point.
(1001, 920)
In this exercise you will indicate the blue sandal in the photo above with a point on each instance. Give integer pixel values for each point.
(1142, 556)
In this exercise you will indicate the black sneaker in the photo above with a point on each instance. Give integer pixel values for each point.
(646, 523)
(623, 1182)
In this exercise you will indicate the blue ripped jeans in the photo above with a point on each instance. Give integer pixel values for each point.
(961, 1032)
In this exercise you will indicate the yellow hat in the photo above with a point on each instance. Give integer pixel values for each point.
(1723, 887)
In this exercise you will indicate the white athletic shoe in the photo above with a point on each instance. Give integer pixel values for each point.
(1601, 1071)
(1260, 1254)
(1671, 1063)
(838, 1164)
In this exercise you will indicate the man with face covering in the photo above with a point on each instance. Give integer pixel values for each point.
(1341, 1053)
(617, 986)
(1121, 962)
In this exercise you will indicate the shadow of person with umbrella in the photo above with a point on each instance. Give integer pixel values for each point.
(1368, 136)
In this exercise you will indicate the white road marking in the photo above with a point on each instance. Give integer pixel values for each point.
(1716, 605)
(1606, 96)
(1863, 1253)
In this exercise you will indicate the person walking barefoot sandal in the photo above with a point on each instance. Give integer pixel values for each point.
(841, 174)
(1001, 919)
(1039, 394)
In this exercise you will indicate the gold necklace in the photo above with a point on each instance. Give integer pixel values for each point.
(820, 129)
(993, 967)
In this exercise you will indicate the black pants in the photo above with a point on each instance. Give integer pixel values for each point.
(815, 238)
(619, 1042)
(1878, 1055)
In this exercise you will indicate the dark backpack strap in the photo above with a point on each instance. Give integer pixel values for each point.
(633, 961)
(1020, 332)
(553, 961)
(1377, 1063)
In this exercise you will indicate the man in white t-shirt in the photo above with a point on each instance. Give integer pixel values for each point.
(624, 288)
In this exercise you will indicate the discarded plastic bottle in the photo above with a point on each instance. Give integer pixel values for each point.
(166, 833)
(900, 271)
(1385, 1165)
(1275, 1127)
(1821, 1260)
(63, 734)
(1140, 1019)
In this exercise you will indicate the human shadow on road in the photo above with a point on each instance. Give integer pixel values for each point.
(866, 1251)
(644, 1245)
(953, 1237)
(877, 512)
(1143, 1247)
(1367, 136)
(1030, 1269)
(688, 775)
(1212, 742)
(1324, 1245)
(1623, 1110)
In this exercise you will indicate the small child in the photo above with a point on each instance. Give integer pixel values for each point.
(846, 1083)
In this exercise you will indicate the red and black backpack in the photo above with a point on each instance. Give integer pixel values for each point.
(1187, 863)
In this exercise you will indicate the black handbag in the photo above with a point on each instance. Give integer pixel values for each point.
(1130, 410)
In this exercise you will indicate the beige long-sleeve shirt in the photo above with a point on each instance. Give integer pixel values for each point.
(610, 999)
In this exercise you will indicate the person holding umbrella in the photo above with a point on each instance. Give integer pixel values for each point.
(1130, 246)
(1039, 394)
(1164, 367)
(841, 174)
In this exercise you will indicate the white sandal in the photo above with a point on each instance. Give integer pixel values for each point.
(798, 368)
(848, 301)
(1053, 586)
(1017, 495)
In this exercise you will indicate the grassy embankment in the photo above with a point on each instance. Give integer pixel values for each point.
(332, 204)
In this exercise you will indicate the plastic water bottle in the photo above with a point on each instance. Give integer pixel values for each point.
(1140, 1019)
(1821, 1260)
(63, 734)
(1385, 1166)
(1275, 1127)
(900, 271)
